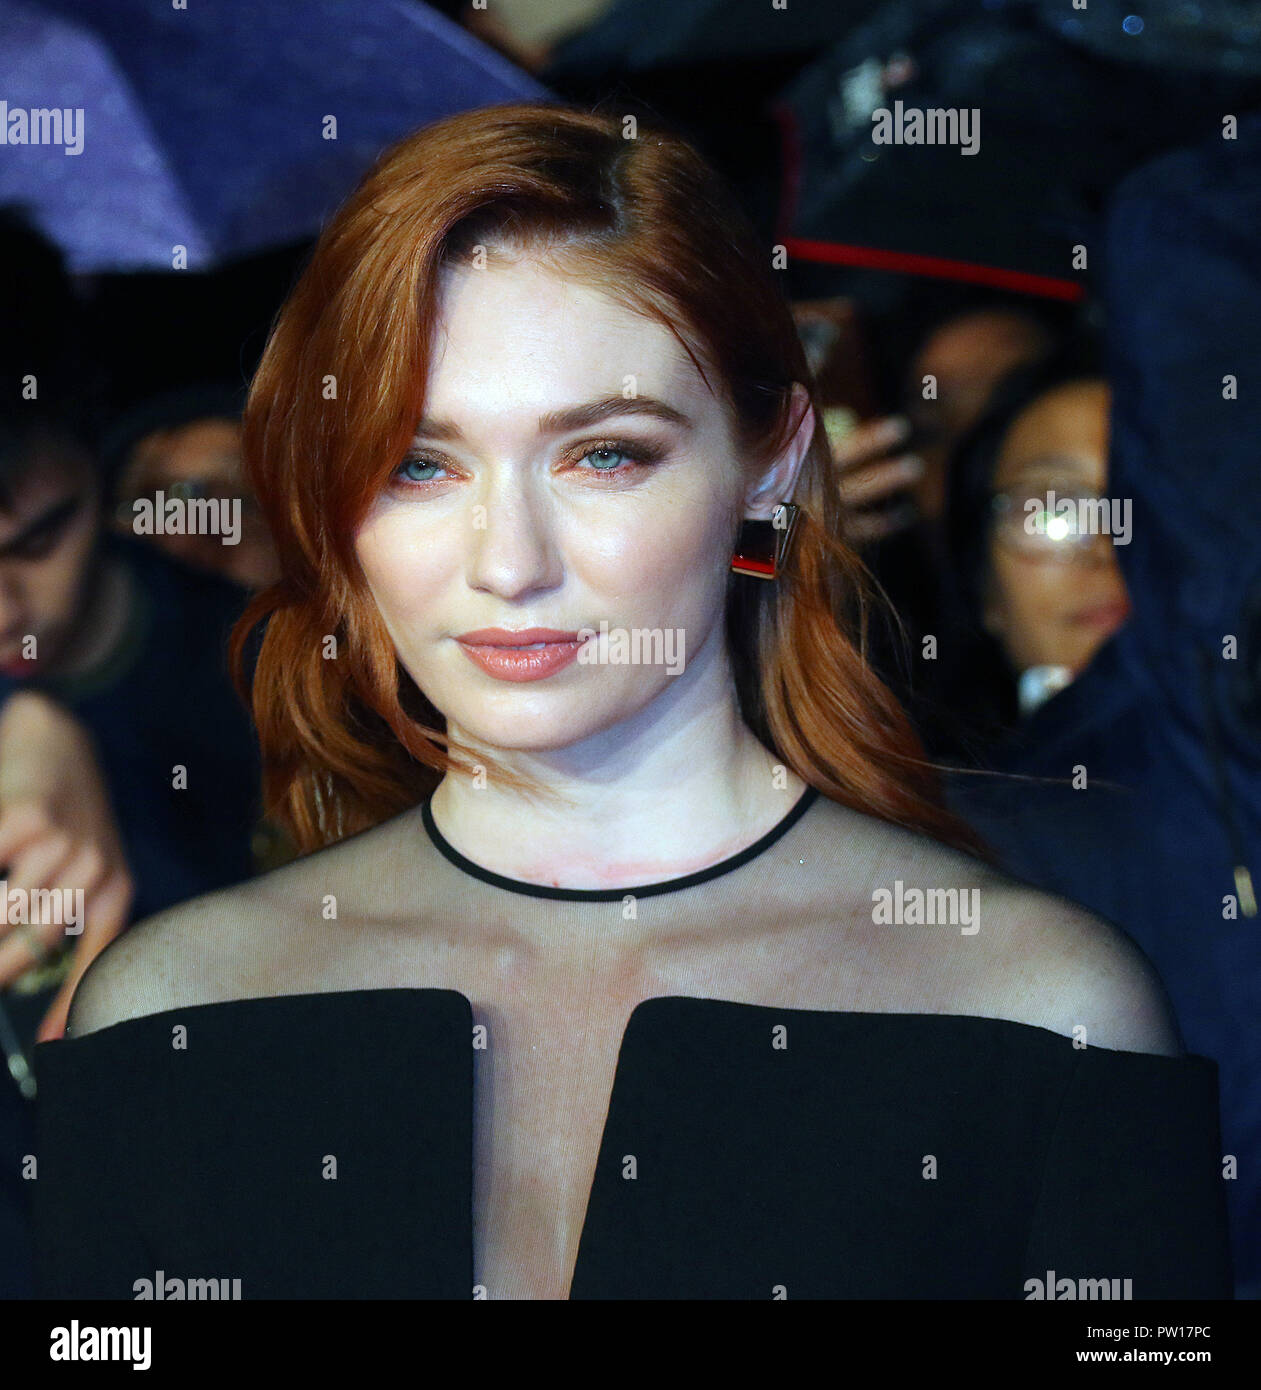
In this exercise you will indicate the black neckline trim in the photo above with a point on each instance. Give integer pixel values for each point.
(608, 895)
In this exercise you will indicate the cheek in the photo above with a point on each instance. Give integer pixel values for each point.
(656, 560)
(669, 555)
(404, 566)
(66, 575)
(1027, 586)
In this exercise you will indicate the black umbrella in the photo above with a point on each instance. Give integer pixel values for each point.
(1212, 36)
(1054, 123)
(636, 35)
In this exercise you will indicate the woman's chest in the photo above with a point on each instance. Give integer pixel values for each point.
(699, 1148)
(577, 1107)
(543, 1077)
(688, 1148)
(613, 1105)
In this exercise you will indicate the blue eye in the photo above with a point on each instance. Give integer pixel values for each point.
(606, 449)
(612, 459)
(635, 456)
(424, 465)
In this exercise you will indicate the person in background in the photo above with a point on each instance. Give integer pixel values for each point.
(938, 359)
(186, 444)
(57, 827)
(951, 380)
(1136, 789)
(526, 31)
(941, 359)
(133, 645)
(128, 764)
(1032, 539)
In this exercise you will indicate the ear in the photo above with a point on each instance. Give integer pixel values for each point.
(775, 484)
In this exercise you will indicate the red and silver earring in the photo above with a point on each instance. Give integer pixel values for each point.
(762, 546)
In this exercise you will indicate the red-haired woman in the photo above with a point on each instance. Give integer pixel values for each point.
(632, 954)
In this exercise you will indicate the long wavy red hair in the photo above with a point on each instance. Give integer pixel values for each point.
(347, 739)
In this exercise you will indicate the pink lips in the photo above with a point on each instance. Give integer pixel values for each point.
(1105, 616)
(531, 654)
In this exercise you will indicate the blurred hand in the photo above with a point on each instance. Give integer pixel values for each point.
(57, 831)
(870, 477)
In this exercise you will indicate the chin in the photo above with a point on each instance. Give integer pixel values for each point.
(524, 733)
(528, 719)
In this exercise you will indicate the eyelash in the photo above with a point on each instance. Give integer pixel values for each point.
(643, 455)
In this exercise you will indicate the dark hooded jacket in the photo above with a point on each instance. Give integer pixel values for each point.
(1170, 709)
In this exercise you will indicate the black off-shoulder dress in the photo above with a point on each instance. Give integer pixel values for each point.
(896, 1156)
(320, 1145)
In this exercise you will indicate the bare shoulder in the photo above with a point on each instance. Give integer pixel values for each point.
(1074, 970)
(230, 944)
(165, 962)
(964, 937)
(1059, 966)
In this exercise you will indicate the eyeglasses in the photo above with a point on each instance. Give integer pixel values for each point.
(1050, 525)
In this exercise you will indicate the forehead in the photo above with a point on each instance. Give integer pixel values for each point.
(209, 443)
(45, 473)
(968, 355)
(1066, 428)
(960, 341)
(520, 338)
(36, 495)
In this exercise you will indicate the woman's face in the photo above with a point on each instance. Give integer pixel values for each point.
(1045, 609)
(511, 516)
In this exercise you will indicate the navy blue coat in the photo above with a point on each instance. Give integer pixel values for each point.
(1170, 708)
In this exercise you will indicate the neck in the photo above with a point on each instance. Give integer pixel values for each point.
(668, 792)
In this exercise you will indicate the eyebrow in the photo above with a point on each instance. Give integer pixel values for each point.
(1048, 463)
(576, 417)
(54, 516)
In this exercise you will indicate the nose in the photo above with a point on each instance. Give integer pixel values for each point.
(514, 547)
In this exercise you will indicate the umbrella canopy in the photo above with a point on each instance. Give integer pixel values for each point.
(224, 129)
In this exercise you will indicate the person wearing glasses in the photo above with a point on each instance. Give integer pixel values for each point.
(1096, 701)
(1033, 540)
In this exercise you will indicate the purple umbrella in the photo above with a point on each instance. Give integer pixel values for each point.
(131, 128)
